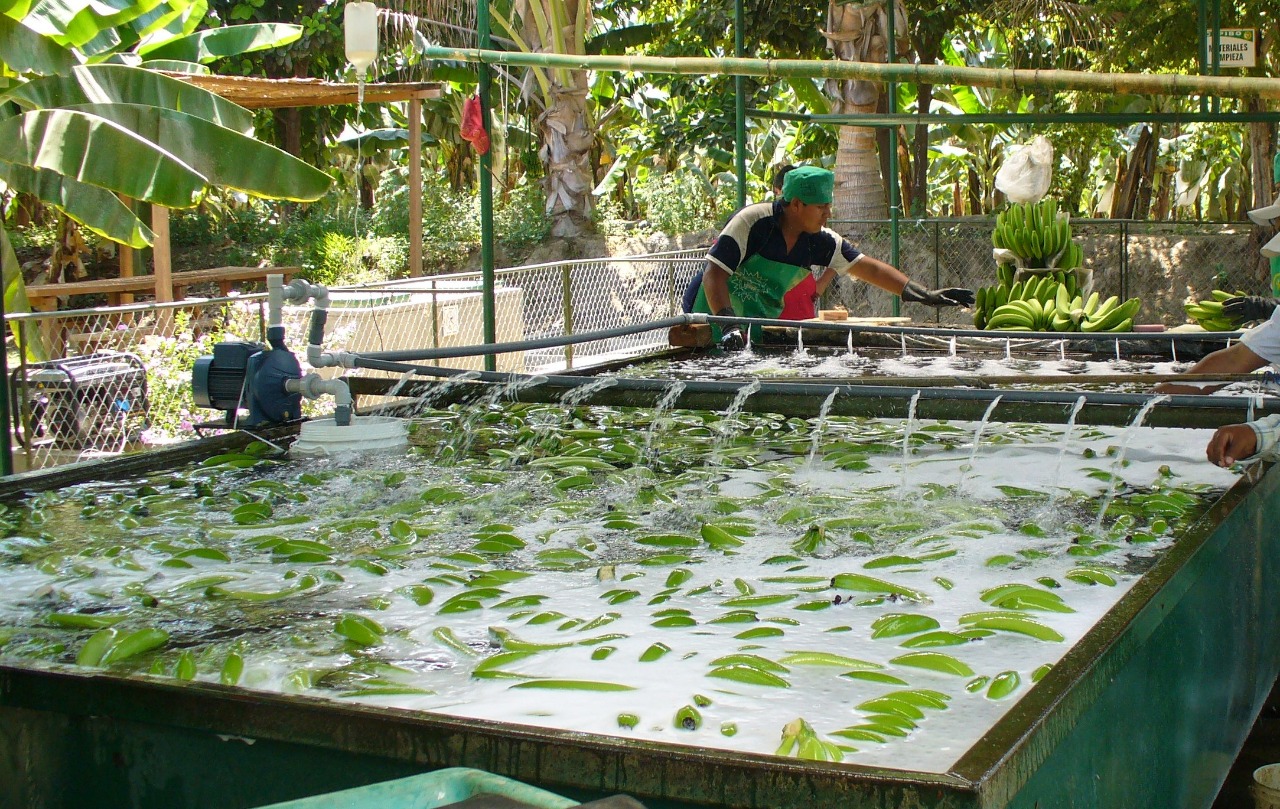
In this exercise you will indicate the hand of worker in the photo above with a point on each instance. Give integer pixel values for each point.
(1231, 443)
(1248, 308)
(950, 296)
(731, 338)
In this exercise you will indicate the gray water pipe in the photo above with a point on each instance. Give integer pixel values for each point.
(313, 386)
(413, 355)
(410, 355)
(1210, 410)
(299, 292)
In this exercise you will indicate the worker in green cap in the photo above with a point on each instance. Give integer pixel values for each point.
(767, 248)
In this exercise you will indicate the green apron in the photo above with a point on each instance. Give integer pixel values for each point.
(755, 290)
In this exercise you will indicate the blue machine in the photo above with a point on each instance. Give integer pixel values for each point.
(248, 376)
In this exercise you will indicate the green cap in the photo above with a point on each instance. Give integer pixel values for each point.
(809, 184)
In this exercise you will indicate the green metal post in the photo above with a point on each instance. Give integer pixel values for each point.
(740, 108)
(1202, 34)
(1217, 44)
(566, 291)
(486, 194)
(6, 422)
(892, 89)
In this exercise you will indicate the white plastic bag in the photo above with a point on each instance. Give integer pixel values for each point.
(1024, 176)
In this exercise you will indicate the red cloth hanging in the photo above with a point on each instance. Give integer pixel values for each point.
(473, 125)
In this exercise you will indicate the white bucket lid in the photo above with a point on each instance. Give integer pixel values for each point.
(363, 434)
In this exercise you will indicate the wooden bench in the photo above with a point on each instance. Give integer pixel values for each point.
(44, 297)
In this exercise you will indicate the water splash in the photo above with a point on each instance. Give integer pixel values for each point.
(664, 404)
(729, 421)
(1062, 451)
(977, 440)
(823, 412)
(1129, 433)
(401, 382)
(498, 393)
(575, 397)
(907, 428)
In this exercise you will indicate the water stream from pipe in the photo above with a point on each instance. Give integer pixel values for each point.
(1129, 433)
(977, 441)
(823, 412)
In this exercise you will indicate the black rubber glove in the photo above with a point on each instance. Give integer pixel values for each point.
(731, 338)
(1248, 308)
(950, 296)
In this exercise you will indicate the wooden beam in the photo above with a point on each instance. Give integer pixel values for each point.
(415, 187)
(161, 255)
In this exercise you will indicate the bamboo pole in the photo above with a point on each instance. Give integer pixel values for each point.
(1113, 83)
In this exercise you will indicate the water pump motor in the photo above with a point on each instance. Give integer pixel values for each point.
(245, 376)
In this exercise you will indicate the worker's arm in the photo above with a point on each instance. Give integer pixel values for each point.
(825, 280)
(715, 282)
(1234, 359)
(877, 273)
(891, 279)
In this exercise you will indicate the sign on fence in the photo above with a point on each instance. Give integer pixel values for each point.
(1237, 47)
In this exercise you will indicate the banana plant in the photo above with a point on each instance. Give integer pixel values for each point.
(78, 132)
(559, 26)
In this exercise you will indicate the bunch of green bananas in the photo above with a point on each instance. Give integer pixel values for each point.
(1051, 303)
(1094, 314)
(1042, 288)
(1208, 313)
(1037, 232)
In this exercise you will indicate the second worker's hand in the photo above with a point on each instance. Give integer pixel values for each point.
(1231, 443)
(948, 296)
(1248, 308)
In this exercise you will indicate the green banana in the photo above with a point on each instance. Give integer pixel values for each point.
(144, 640)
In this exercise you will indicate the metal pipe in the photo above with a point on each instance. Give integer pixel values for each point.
(488, 307)
(739, 107)
(886, 401)
(409, 355)
(313, 386)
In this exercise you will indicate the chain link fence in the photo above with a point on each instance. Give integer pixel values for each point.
(1163, 263)
(119, 379)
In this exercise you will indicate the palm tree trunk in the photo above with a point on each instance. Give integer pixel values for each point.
(567, 142)
(858, 33)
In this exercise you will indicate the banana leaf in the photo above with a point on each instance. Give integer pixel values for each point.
(174, 66)
(215, 43)
(25, 51)
(15, 9)
(177, 17)
(223, 156)
(97, 84)
(95, 208)
(15, 300)
(61, 140)
(75, 22)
